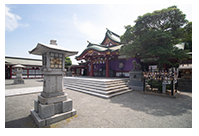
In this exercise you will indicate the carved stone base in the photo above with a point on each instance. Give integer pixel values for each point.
(47, 121)
(49, 110)
(18, 81)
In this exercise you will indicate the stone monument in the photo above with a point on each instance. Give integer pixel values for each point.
(19, 70)
(136, 74)
(52, 104)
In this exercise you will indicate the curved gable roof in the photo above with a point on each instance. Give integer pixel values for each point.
(101, 47)
(109, 34)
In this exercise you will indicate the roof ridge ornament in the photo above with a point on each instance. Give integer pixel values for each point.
(53, 42)
(112, 33)
(109, 31)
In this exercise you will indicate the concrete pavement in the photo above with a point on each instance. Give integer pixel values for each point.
(30, 86)
(130, 110)
(28, 83)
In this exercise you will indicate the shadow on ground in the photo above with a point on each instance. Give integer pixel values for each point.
(9, 84)
(40, 80)
(155, 105)
(26, 122)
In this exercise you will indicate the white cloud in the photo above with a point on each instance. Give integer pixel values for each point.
(11, 20)
(116, 16)
(24, 25)
(93, 31)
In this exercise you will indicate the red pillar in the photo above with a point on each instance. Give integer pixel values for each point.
(107, 68)
(87, 73)
(92, 69)
(27, 73)
(10, 72)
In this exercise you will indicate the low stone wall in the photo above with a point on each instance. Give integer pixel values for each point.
(185, 85)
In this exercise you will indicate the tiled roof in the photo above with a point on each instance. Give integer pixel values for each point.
(111, 35)
(22, 61)
(100, 48)
(103, 48)
(42, 48)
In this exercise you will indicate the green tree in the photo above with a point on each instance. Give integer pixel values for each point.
(187, 36)
(68, 62)
(154, 35)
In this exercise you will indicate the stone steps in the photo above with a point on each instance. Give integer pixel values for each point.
(98, 87)
(98, 83)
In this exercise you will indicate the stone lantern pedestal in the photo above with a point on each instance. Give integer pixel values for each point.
(136, 75)
(19, 78)
(135, 81)
(52, 104)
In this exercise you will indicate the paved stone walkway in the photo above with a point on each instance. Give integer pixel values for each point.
(20, 91)
(28, 83)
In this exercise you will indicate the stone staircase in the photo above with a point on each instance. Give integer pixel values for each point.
(101, 87)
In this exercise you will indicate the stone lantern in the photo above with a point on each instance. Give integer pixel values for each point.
(52, 104)
(19, 70)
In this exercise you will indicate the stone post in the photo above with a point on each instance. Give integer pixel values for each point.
(163, 87)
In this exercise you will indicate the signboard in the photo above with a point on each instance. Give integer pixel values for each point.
(154, 67)
(121, 65)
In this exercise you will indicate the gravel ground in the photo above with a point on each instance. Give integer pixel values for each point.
(130, 110)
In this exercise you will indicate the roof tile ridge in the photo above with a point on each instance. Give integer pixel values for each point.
(94, 44)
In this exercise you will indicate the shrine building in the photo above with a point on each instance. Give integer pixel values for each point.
(32, 67)
(103, 59)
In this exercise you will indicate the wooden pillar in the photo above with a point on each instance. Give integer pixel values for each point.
(92, 69)
(172, 82)
(165, 67)
(107, 67)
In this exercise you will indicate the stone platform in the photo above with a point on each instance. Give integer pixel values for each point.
(97, 86)
(47, 121)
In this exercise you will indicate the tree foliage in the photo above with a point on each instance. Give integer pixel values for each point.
(68, 62)
(187, 36)
(154, 35)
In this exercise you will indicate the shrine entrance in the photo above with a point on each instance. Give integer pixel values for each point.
(99, 70)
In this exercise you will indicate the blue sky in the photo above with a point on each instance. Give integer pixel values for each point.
(70, 24)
